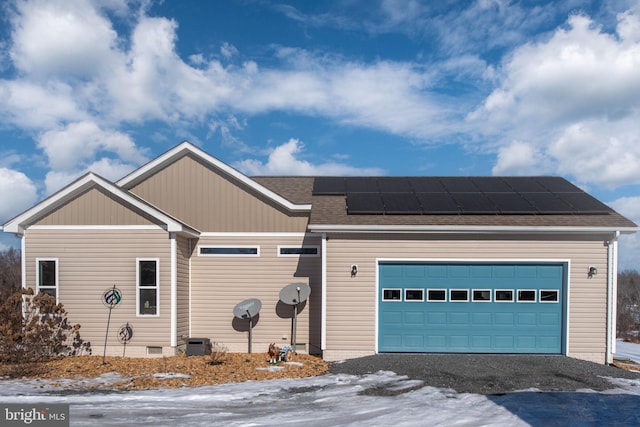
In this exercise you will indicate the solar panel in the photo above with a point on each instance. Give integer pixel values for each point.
(522, 184)
(458, 184)
(475, 203)
(437, 203)
(511, 203)
(426, 184)
(361, 184)
(491, 184)
(394, 185)
(547, 203)
(329, 185)
(401, 203)
(584, 203)
(364, 203)
(556, 184)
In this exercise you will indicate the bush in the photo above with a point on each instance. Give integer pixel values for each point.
(218, 353)
(33, 329)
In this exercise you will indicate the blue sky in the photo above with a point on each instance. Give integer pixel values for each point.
(345, 87)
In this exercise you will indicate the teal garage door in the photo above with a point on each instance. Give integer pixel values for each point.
(471, 308)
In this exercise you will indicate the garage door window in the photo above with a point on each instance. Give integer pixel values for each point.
(391, 295)
(548, 295)
(526, 295)
(459, 295)
(503, 295)
(414, 295)
(481, 295)
(436, 295)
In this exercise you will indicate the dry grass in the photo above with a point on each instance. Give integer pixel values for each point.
(138, 373)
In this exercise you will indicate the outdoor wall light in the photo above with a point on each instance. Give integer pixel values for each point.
(354, 270)
(592, 271)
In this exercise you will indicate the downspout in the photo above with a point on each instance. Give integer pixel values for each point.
(323, 330)
(174, 290)
(23, 261)
(612, 295)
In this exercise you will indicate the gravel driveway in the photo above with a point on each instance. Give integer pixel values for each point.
(489, 374)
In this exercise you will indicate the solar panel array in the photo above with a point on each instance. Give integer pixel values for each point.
(459, 195)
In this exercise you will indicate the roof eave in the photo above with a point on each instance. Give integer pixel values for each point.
(452, 229)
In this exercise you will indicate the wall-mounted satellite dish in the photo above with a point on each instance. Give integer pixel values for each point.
(294, 294)
(248, 309)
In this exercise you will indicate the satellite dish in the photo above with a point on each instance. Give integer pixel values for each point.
(247, 309)
(295, 293)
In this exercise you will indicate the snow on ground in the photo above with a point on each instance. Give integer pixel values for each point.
(627, 350)
(379, 399)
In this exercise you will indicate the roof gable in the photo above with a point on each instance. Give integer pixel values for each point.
(186, 148)
(80, 187)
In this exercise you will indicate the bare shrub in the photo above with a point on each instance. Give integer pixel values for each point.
(218, 353)
(33, 329)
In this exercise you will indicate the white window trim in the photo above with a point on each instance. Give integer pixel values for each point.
(316, 247)
(504, 300)
(157, 260)
(413, 300)
(458, 300)
(557, 301)
(535, 299)
(257, 254)
(56, 273)
(481, 300)
(437, 300)
(392, 289)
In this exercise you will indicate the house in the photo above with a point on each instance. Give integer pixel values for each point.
(394, 264)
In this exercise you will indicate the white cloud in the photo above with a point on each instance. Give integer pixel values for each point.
(575, 100)
(82, 147)
(61, 37)
(17, 193)
(519, 158)
(283, 160)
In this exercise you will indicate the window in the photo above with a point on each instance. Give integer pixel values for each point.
(294, 251)
(548, 295)
(526, 295)
(481, 295)
(391, 295)
(147, 286)
(503, 295)
(47, 276)
(229, 251)
(458, 295)
(436, 294)
(414, 294)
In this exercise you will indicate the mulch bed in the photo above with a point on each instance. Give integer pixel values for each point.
(169, 372)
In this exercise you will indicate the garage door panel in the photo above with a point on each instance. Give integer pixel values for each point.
(486, 322)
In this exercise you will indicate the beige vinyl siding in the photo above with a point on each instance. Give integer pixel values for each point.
(218, 284)
(351, 301)
(94, 207)
(184, 247)
(209, 201)
(92, 261)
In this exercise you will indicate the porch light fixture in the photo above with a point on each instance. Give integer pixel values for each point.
(354, 270)
(592, 271)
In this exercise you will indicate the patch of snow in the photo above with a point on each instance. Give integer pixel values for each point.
(382, 398)
(169, 375)
(627, 350)
(271, 369)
